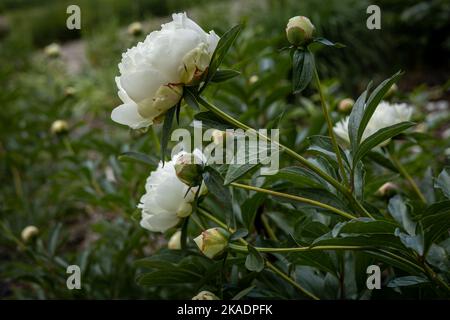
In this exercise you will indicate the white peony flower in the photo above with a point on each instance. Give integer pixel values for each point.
(152, 73)
(167, 199)
(385, 115)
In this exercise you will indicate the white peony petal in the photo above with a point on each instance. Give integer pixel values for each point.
(160, 222)
(127, 114)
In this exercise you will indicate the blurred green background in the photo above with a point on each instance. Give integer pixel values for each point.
(73, 187)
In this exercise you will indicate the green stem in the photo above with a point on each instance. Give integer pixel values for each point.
(268, 228)
(296, 198)
(296, 249)
(268, 264)
(408, 177)
(290, 152)
(291, 281)
(330, 127)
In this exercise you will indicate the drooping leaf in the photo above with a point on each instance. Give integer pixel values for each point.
(303, 69)
(407, 281)
(443, 182)
(399, 211)
(165, 134)
(254, 260)
(329, 43)
(138, 157)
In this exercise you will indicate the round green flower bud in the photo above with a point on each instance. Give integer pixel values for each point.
(213, 242)
(189, 170)
(299, 30)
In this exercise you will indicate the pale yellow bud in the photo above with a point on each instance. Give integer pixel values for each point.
(299, 30)
(135, 29)
(205, 295)
(175, 241)
(213, 242)
(52, 50)
(59, 127)
(346, 105)
(387, 190)
(29, 232)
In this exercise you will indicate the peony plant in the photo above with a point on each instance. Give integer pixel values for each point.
(255, 238)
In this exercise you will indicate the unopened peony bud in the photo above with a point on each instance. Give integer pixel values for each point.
(189, 169)
(345, 105)
(213, 242)
(175, 241)
(59, 127)
(53, 50)
(135, 29)
(29, 232)
(387, 190)
(392, 90)
(253, 79)
(299, 30)
(205, 295)
(69, 91)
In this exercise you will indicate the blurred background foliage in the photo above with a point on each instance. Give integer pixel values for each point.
(82, 198)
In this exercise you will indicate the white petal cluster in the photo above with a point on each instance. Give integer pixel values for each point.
(385, 115)
(152, 73)
(167, 199)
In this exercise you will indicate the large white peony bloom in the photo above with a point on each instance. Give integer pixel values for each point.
(152, 73)
(167, 199)
(385, 115)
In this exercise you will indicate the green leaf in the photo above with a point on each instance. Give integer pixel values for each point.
(222, 48)
(254, 260)
(210, 120)
(299, 176)
(249, 209)
(378, 137)
(224, 75)
(373, 101)
(324, 146)
(414, 242)
(254, 155)
(329, 43)
(436, 223)
(239, 233)
(243, 293)
(303, 69)
(54, 238)
(137, 157)
(215, 184)
(399, 211)
(407, 281)
(443, 182)
(165, 135)
(190, 97)
(355, 119)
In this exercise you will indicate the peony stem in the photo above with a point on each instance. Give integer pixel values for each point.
(290, 152)
(296, 198)
(408, 177)
(326, 113)
(268, 264)
(296, 249)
